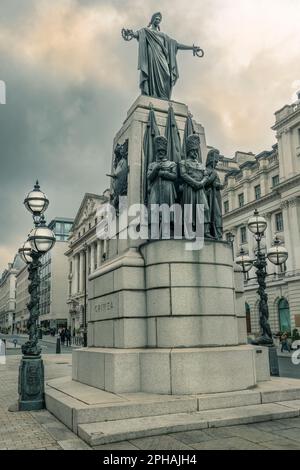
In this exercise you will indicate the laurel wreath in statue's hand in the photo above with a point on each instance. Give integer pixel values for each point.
(127, 34)
(198, 51)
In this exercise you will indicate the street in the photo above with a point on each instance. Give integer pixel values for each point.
(48, 344)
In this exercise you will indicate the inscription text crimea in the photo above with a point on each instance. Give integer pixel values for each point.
(104, 307)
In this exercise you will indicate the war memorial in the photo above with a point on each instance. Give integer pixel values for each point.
(167, 345)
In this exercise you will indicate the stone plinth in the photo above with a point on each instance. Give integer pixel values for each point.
(167, 371)
(163, 320)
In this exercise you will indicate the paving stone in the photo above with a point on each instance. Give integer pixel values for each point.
(290, 422)
(124, 445)
(73, 444)
(229, 443)
(270, 426)
(190, 437)
(281, 444)
(159, 443)
(291, 433)
(251, 433)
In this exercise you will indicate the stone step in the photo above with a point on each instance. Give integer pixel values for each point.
(75, 403)
(114, 431)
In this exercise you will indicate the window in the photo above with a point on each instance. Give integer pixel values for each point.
(226, 207)
(279, 222)
(275, 180)
(257, 191)
(243, 235)
(284, 315)
(241, 199)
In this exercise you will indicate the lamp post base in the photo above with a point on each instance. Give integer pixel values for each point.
(273, 360)
(31, 384)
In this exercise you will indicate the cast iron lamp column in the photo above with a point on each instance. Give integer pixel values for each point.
(40, 240)
(276, 255)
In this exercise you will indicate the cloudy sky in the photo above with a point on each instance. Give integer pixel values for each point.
(70, 79)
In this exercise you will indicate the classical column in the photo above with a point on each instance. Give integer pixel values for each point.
(74, 274)
(81, 271)
(98, 253)
(77, 273)
(287, 223)
(294, 229)
(92, 258)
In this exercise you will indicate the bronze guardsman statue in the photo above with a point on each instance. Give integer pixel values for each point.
(157, 58)
(213, 188)
(194, 180)
(161, 175)
(119, 175)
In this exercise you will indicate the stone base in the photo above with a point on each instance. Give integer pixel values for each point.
(171, 371)
(101, 417)
(31, 384)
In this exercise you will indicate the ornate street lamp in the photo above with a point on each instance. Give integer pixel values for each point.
(36, 201)
(40, 240)
(276, 255)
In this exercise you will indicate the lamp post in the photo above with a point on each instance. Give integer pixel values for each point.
(276, 255)
(40, 240)
(85, 248)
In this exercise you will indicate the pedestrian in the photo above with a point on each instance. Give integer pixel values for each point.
(63, 336)
(284, 342)
(68, 336)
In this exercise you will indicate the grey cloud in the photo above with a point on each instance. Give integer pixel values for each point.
(59, 126)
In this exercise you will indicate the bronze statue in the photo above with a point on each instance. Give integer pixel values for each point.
(213, 188)
(194, 179)
(161, 175)
(120, 174)
(157, 58)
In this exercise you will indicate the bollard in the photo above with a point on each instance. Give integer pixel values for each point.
(58, 348)
(40, 333)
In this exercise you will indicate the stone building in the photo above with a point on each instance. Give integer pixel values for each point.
(269, 182)
(54, 278)
(8, 295)
(22, 299)
(54, 283)
(85, 253)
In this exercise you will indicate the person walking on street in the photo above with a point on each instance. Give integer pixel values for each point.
(284, 342)
(68, 337)
(63, 336)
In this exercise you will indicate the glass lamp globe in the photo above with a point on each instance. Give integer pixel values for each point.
(244, 261)
(278, 254)
(257, 224)
(25, 252)
(36, 201)
(41, 238)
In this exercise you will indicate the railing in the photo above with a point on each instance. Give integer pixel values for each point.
(77, 340)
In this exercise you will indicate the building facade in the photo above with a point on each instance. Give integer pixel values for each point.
(53, 283)
(270, 183)
(85, 254)
(22, 299)
(54, 278)
(8, 295)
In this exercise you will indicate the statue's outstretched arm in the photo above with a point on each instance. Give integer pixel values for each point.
(128, 34)
(196, 50)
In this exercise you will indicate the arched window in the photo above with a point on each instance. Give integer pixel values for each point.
(284, 315)
(248, 317)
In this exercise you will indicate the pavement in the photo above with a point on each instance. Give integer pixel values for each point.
(41, 430)
(38, 430)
